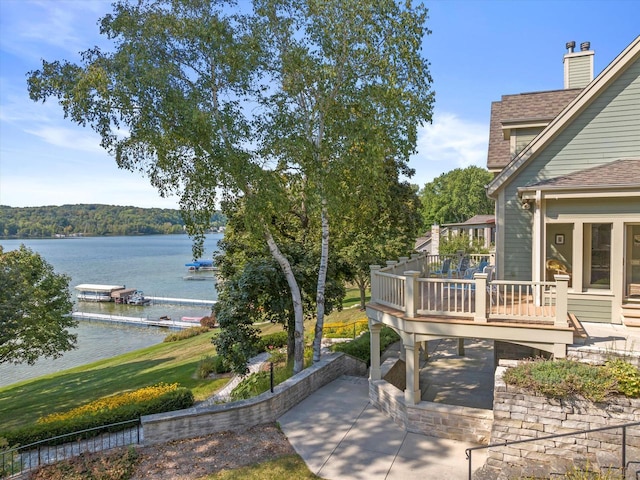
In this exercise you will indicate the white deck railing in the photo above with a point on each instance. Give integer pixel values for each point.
(414, 292)
(522, 300)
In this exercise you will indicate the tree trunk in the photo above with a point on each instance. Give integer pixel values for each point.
(362, 286)
(296, 297)
(322, 280)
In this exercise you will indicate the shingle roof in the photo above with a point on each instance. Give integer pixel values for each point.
(620, 173)
(533, 106)
(475, 220)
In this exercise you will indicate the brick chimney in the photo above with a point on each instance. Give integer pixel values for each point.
(578, 66)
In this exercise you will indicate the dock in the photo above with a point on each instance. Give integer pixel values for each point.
(140, 321)
(182, 301)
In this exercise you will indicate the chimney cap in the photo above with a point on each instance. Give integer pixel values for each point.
(584, 46)
(570, 46)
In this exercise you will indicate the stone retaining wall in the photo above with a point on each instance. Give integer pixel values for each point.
(598, 356)
(265, 408)
(520, 415)
(466, 424)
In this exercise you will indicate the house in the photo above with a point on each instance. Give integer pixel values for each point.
(567, 191)
(479, 228)
(567, 185)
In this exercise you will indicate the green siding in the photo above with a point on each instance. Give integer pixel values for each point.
(607, 129)
(517, 238)
(579, 72)
(591, 309)
(622, 206)
(524, 137)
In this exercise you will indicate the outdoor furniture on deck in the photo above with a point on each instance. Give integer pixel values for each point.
(445, 269)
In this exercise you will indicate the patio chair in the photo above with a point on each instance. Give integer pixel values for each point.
(490, 270)
(463, 266)
(445, 269)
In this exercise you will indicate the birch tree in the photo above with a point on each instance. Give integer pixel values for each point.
(349, 88)
(212, 104)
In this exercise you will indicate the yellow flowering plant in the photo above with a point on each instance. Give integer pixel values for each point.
(112, 402)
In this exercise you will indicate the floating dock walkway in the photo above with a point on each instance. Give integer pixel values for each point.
(182, 301)
(141, 321)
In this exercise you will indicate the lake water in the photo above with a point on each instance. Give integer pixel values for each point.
(153, 264)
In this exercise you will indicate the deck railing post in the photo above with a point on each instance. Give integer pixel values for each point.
(562, 300)
(391, 266)
(375, 285)
(411, 292)
(481, 297)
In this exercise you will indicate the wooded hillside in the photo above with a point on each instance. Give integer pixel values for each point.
(91, 220)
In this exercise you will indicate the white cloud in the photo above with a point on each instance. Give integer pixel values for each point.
(73, 139)
(449, 143)
(34, 28)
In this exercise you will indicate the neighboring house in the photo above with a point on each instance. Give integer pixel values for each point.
(481, 228)
(567, 185)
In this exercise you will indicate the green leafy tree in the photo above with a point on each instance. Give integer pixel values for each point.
(253, 287)
(35, 308)
(384, 229)
(348, 90)
(295, 93)
(456, 196)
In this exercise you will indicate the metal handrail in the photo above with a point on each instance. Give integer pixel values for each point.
(506, 443)
(16, 463)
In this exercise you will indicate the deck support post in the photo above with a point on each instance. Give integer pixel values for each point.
(461, 347)
(411, 290)
(412, 391)
(375, 372)
(481, 297)
(562, 300)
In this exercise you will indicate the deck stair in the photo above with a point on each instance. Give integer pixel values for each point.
(631, 314)
(580, 335)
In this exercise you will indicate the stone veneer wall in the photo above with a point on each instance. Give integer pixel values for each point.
(598, 356)
(520, 415)
(471, 425)
(265, 408)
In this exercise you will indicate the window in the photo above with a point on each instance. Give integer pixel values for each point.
(597, 237)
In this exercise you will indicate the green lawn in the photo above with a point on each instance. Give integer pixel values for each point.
(22, 403)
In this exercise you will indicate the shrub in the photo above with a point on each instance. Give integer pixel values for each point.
(209, 322)
(345, 330)
(209, 365)
(103, 412)
(273, 340)
(563, 379)
(627, 377)
(360, 347)
(184, 334)
(260, 382)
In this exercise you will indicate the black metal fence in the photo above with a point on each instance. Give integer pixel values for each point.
(25, 458)
(623, 443)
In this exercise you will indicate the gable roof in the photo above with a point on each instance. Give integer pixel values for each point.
(622, 173)
(522, 107)
(571, 111)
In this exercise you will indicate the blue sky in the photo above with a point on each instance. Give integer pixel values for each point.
(479, 50)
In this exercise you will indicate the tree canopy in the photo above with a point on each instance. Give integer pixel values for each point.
(92, 219)
(456, 196)
(291, 106)
(35, 308)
